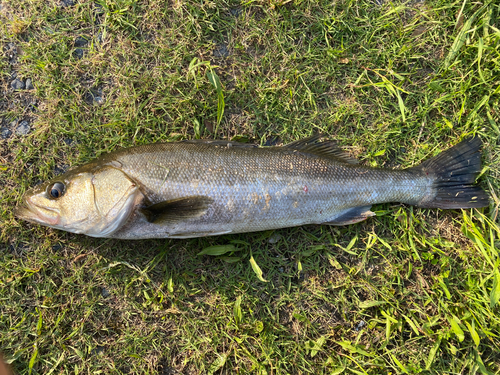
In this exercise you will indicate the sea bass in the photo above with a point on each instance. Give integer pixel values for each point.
(206, 188)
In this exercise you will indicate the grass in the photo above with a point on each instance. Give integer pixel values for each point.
(409, 291)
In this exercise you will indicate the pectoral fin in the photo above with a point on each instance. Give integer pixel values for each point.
(177, 209)
(352, 216)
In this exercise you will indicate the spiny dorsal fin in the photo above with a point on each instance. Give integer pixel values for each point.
(314, 145)
(177, 209)
(219, 142)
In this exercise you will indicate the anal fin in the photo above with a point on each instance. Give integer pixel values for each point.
(352, 216)
(183, 235)
(177, 209)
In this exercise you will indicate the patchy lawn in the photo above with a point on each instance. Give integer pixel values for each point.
(408, 291)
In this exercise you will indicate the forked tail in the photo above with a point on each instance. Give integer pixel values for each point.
(454, 172)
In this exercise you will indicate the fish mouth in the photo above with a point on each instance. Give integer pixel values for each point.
(34, 213)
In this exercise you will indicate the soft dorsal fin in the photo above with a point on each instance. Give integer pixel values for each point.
(314, 145)
(177, 209)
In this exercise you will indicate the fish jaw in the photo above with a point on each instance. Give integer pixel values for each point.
(34, 213)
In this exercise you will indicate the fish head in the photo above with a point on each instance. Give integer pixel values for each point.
(92, 201)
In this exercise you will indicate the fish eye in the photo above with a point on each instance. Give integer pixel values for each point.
(56, 190)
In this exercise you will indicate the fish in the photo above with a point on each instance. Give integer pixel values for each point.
(198, 188)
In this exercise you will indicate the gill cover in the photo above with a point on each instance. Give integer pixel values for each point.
(114, 200)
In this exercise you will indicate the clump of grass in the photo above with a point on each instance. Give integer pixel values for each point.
(409, 291)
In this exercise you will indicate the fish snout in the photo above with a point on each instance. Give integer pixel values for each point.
(22, 211)
(30, 211)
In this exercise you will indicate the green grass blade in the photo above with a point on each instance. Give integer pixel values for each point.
(213, 78)
(432, 354)
(33, 359)
(401, 105)
(458, 43)
(238, 316)
(461, 37)
(257, 269)
(495, 290)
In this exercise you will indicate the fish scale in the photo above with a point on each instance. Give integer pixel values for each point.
(201, 188)
(259, 189)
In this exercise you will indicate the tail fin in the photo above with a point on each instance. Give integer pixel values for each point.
(455, 171)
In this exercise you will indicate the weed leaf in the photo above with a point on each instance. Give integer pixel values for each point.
(454, 322)
(217, 250)
(313, 347)
(257, 269)
(473, 333)
(367, 304)
(217, 364)
(333, 261)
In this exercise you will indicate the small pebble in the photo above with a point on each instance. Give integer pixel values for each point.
(94, 97)
(272, 141)
(221, 50)
(29, 84)
(17, 84)
(78, 53)
(88, 98)
(11, 53)
(360, 325)
(17, 250)
(67, 3)
(13, 75)
(105, 293)
(235, 12)
(13, 123)
(97, 350)
(81, 41)
(60, 170)
(68, 141)
(99, 11)
(23, 128)
(5, 133)
(99, 100)
(275, 237)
